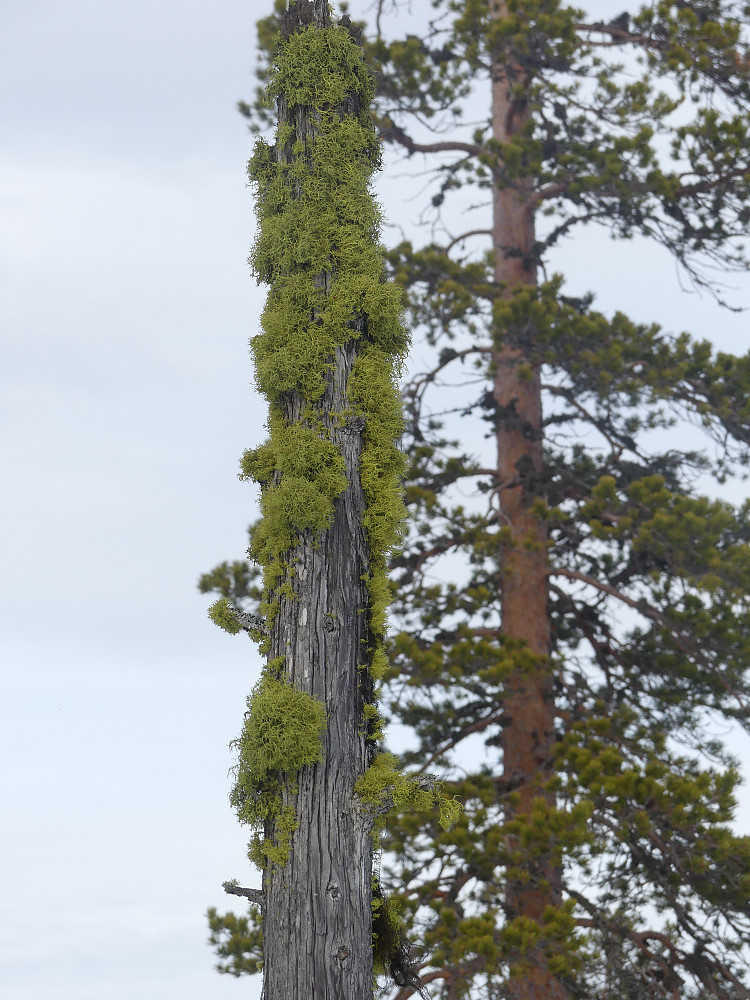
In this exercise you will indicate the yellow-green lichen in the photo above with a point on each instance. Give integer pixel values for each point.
(384, 786)
(318, 248)
(263, 851)
(379, 665)
(221, 614)
(310, 475)
(373, 390)
(317, 216)
(322, 67)
(282, 732)
(281, 735)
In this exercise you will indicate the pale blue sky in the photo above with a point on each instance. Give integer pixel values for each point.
(126, 307)
(125, 401)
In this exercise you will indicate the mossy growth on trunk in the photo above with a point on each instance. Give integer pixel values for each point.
(281, 734)
(318, 248)
(221, 614)
(317, 218)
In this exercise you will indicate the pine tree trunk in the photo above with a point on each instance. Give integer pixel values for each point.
(529, 707)
(317, 928)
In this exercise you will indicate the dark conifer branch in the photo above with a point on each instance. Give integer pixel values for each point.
(607, 431)
(691, 650)
(601, 644)
(426, 979)
(414, 561)
(479, 726)
(618, 30)
(421, 382)
(465, 236)
(637, 604)
(390, 132)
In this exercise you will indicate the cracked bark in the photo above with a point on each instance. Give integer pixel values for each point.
(317, 908)
(318, 922)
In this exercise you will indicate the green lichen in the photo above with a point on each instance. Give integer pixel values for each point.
(379, 665)
(308, 473)
(281, 735)
(317, 215)
(373, 390)
(264, 852)
(384, 786)
(318, 248)
(282, 731)
(220, 614)
(321, 68)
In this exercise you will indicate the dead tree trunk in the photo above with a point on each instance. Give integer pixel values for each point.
(529, 734)
(317, 928)
(318, 919)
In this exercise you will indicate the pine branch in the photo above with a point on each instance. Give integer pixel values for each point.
(393, 133)
(464, 236)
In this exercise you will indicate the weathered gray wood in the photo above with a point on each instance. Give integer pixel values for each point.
(318, 924)
(254, 895)
(317, 912)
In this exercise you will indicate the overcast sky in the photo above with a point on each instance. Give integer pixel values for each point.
(126, 400)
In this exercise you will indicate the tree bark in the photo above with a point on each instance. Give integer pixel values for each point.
(318, 918)
(317, 915)
(529, 707)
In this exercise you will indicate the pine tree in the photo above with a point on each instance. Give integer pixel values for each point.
(596, 625)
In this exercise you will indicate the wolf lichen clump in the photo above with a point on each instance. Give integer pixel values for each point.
(312, 475)
(221, 614)
(282, 734)
(384, 786)
(318, 217)
(318, 248)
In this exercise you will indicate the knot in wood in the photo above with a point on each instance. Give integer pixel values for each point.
(342, 954)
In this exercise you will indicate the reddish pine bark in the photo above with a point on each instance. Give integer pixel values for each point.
(529, 707)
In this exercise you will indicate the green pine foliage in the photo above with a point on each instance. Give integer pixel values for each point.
(238, 941)
(649, 586)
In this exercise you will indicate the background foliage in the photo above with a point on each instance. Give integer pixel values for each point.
(649, 568)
